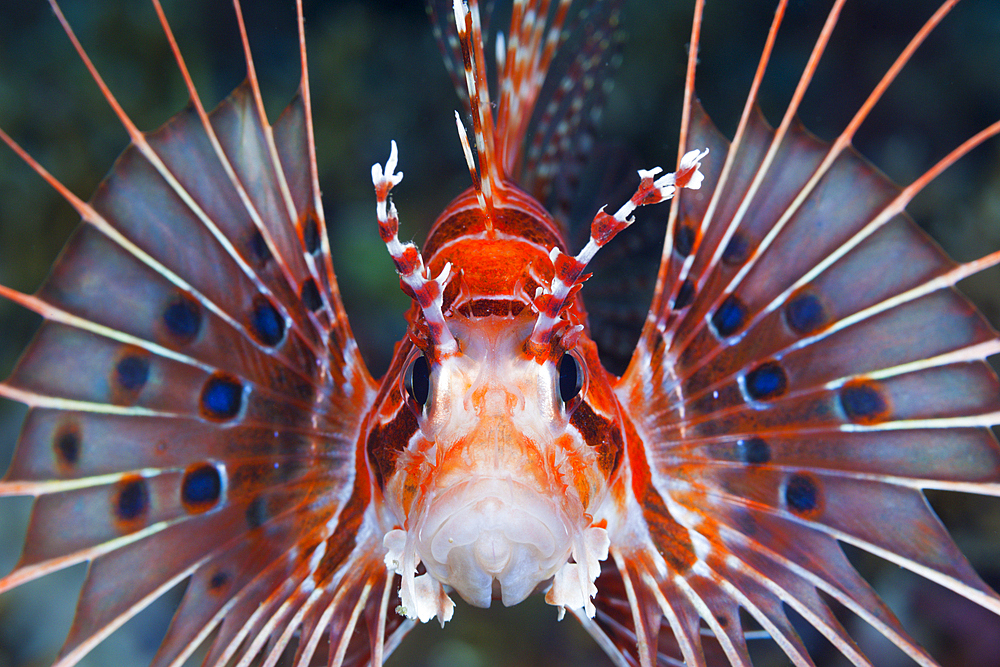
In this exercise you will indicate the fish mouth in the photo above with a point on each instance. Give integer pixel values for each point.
(491, 533)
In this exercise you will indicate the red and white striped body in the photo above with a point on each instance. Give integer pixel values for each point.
(497, 436)
(496, 475)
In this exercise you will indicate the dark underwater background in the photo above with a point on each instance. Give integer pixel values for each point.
(376, 75)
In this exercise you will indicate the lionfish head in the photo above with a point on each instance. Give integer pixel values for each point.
(496, 488)
(493, 451)
(496, 445)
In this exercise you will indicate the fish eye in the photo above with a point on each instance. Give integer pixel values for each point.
(570, 377)
(417, 380)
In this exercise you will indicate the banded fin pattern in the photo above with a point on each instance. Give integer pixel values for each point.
(554, 63)
(195, 395)
(782, 377)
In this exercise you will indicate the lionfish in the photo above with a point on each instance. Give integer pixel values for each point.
(200, 412)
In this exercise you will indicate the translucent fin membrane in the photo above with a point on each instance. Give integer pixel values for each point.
(806, 370)
(195, 395)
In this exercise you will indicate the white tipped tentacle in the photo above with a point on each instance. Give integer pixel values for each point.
(569, 270)
(426, 291)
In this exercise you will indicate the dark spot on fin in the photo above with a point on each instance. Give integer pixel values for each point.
(257, 513)
(766, 381)
(310, 295)
(222, 397)
(266, 323)
(132, 372)
(685, 295)
(259, 251)
(863, 402)
(201, 487)
(753, 451)
(218, 580)
(805, 313)
(730, 317)
(182, 319)
(802, 494)
(684, 239)
(131, 502)
(746, 523)
(310, 235)
(737, 250)
(67, 445)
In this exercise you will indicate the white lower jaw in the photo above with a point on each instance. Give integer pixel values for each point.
(493, 529)
(489, 532)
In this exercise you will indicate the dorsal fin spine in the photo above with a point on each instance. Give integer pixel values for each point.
(530, 50)
(477, 184)
(470, 34)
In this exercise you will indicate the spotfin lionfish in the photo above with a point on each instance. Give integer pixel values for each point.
(200, 412)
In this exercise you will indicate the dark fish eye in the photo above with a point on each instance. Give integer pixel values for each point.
(570, 377)
(417, 380)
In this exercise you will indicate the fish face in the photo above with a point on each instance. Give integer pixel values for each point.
(497, 486)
